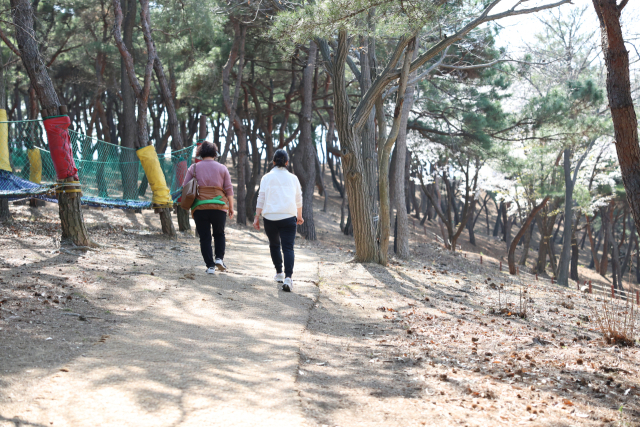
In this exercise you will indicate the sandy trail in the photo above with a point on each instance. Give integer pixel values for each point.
(216, 350)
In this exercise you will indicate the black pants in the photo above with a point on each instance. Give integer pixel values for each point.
(281, 233)
(206, 220)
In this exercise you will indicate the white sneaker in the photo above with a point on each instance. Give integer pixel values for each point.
(279, 277)
(288, 285)
(211, 270)
(220, 265)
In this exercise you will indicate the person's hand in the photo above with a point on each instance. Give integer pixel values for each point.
(230, 212)
(256, 223)
(300, 220)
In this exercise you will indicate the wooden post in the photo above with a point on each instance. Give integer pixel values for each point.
(500, 265)
(480, 259)
(552, 280)
(536, 277)
(637, 297)
(613, 291)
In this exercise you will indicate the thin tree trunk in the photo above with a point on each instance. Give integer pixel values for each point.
(498, 226)
(575, 253)
(401, 242)
(385, 152)
(565, 256)
(507, 222)
(594, 249)
(607, 217)
(305, 160)
(471, 222)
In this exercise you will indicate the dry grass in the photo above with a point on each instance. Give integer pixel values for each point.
(616, 319)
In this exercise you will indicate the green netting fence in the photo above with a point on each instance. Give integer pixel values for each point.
(107, 172)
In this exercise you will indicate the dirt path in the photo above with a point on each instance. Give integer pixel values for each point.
(209, 350)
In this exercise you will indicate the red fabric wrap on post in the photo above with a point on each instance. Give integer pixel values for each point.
(60, 147)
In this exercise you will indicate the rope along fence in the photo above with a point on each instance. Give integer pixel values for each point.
(110, 175)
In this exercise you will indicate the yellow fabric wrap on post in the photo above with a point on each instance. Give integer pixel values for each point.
(35, 165)
(151, 165)
(5, 164)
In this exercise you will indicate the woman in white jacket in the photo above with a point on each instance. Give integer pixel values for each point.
(280, 204)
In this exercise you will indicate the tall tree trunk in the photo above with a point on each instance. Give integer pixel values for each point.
(471, 222)
(594, 249)
(70, 210)
(498, 226)
(360, 205)
(575, 253)
(607, 217)
(385, 153)
(305, 160)
(401, 242)
(128, 159)
(565, 255)
(623, 115)
(506, 222)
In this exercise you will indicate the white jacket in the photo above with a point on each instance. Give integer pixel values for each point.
(280, 195)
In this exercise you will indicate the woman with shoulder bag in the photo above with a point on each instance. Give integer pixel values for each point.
(280, 204)
(214, 201)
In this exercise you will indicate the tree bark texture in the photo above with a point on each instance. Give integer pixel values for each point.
(128, 135)
(360, 205)
(5, 213)
(383, 165)
(625, 122)
(401, 241)
(305, 160)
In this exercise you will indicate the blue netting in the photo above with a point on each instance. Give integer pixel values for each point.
(13, 186)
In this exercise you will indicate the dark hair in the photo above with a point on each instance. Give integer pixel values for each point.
(207, 149)
(280, 158)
